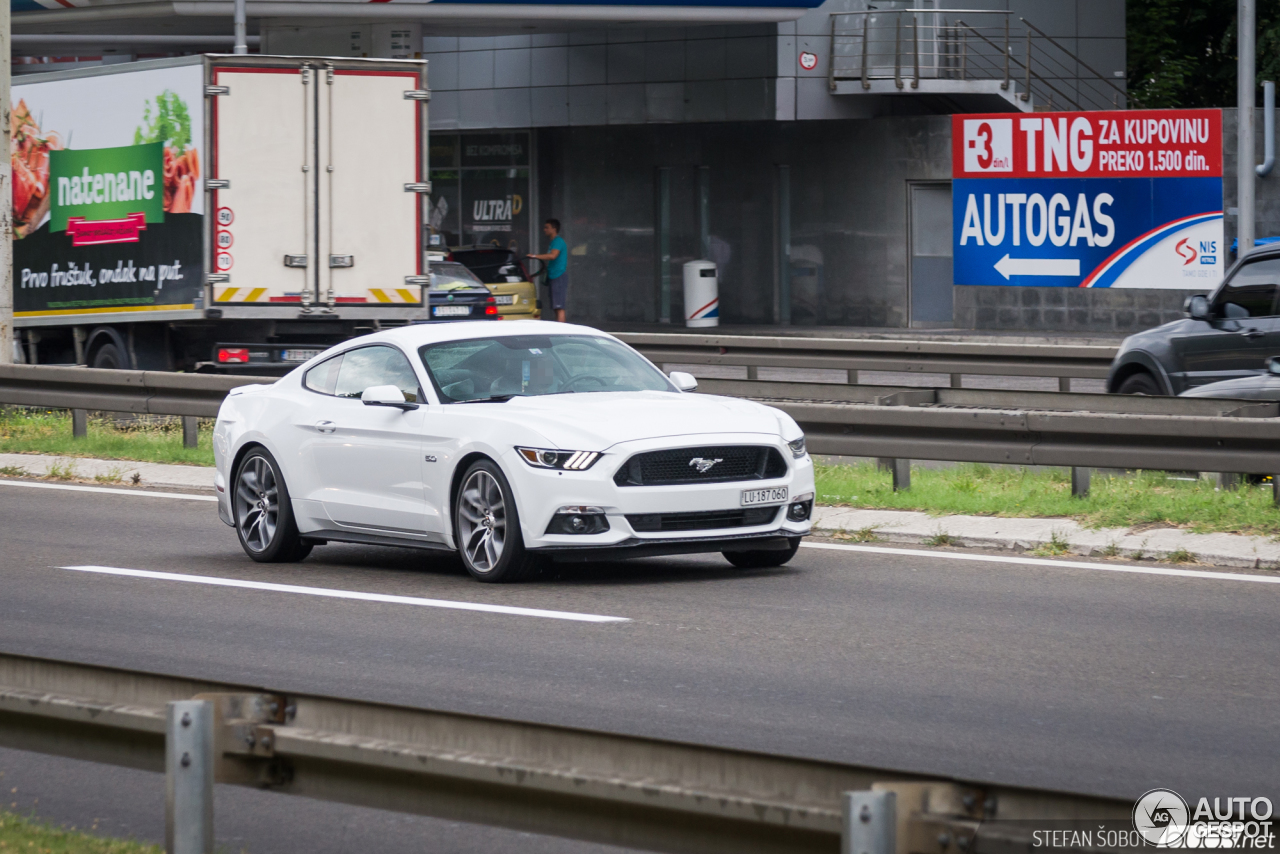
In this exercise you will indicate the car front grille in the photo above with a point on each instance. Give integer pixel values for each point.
(702, 521)
(721, 464)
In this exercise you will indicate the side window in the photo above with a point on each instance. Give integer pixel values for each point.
(324, 376)
(369, 366)
(1251, 291)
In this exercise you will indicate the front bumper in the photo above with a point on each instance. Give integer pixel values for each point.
(540, 492)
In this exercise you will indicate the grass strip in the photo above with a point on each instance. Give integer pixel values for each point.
(1138, 498)
(30, 836)
(148, 438)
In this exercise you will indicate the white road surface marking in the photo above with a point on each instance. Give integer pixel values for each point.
(188, 496)
(1056, 564)
(349, 594)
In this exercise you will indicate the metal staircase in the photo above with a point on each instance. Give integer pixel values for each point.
(963, 60)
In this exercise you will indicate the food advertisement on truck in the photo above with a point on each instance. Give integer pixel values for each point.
(108, 201)
(1108, 199)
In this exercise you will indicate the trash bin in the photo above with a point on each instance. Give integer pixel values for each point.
(701, 294)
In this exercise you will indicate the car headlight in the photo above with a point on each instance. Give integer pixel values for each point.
(544, 458)
(797, 447)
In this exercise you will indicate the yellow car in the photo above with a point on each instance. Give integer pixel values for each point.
(506, 277)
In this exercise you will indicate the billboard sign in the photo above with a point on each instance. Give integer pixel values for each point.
(1108, 199)
(108, 200)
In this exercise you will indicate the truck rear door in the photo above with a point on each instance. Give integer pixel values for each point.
(372, 151)
(320, 164)
(264, 154)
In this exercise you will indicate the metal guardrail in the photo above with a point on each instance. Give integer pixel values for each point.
(1065, 361)
(961, 425)
(139, 392)
(647, 793)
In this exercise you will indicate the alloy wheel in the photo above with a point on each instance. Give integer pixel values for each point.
(257, 503)
(482, 521)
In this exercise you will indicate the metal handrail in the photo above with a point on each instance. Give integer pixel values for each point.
(949, 54)
(1122, 92)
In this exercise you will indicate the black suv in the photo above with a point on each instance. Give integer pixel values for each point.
(1228, 334)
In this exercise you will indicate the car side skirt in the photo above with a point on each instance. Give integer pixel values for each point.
(331, 536)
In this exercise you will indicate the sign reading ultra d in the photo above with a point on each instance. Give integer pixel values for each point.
(106, 195)
(1123, 199)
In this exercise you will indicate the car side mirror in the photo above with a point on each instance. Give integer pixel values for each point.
(386, 395)
(1273, 365)
(1196, 307)
(683, 381)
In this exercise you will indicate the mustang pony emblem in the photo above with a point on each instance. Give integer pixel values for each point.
(703, 464)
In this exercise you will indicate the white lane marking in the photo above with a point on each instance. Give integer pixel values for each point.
(1058, 564)
(350, 594)
(184, 495)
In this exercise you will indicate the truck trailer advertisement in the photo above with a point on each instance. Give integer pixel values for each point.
(1123, 199)
(108, 199)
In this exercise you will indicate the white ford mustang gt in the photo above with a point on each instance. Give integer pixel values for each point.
(510, 444)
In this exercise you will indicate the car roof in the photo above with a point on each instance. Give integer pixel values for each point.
(413, 337)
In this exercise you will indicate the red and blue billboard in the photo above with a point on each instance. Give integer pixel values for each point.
(1110, 199)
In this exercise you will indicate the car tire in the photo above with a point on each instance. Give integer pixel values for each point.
(108, 357)
(486, 527)
(263, 513)
(763, 559)
(1140, 383)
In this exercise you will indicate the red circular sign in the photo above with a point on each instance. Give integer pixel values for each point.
(224, 239)
(225, 216)
(225, 261)
(808, 61)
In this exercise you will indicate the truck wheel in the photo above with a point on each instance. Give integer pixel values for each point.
(1139, 383)
(109, 357)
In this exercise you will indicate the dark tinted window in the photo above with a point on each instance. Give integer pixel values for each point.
(451, 277)
(479, 368)
(1251, 291)
(370, 366)
(324, 376)
(493, 266)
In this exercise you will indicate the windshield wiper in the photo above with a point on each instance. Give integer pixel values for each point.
(496, 398)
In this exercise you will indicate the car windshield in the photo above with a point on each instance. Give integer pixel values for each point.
(451, 277)
(529, 365)
(495, 266)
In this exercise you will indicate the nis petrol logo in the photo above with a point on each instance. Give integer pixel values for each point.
(1207, 253)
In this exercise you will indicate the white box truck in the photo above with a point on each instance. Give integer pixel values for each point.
(231, 213)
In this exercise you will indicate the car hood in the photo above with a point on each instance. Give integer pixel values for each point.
(1262, 387)
(598, 420)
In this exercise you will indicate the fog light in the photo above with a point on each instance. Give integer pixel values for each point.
(578, 519)
(800, 509)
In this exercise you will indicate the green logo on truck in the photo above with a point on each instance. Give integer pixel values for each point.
(96, 184)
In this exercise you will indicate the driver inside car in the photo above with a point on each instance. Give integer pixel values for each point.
(534, 373)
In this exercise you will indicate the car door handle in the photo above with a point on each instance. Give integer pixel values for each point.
(326, 426)
(1252, 333)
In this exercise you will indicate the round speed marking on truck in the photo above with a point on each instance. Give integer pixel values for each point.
(224, 239)
(224, 261)
(225, 217)
(808, 61)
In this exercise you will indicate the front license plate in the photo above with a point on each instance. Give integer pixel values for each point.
(451, 310)
(508, 299)
(776, 495)
(300, 355)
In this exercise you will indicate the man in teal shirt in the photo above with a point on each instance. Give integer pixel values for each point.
(557, 258)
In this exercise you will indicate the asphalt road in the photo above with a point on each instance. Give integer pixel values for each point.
(1070, 678)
